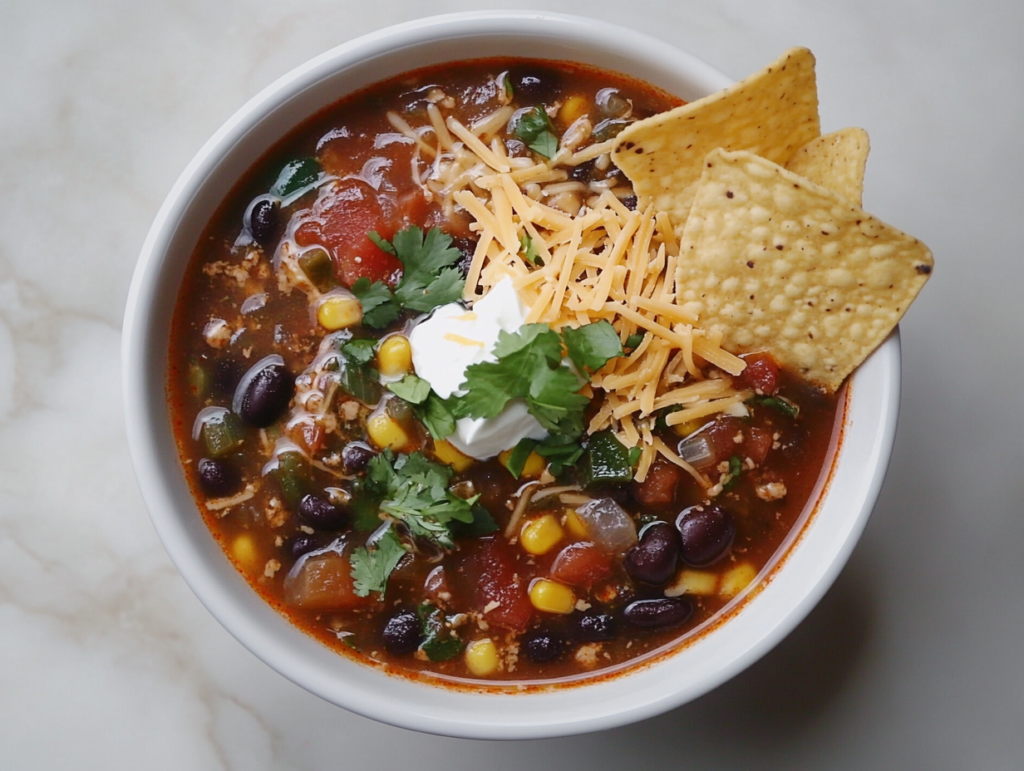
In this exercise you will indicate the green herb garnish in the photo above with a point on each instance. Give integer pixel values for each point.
(735, 468)
(358, 377)
(529, 367)
(371, 566)
(785, 406)
(295, 176)
(536, 131)
(431, 410)
(428, 276)
(528, 251)
(591, 346)
(440, 642)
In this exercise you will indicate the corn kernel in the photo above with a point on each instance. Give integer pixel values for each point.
(394, 356)
(446, 452)
(540, 535)
(575, 107)
(575, 523)
(243, 549)
(338, 312)
(384, 432)
(687, 428)
(552, 597)
(482, 657)
(736, 579)
(533, 468)
(698, 582)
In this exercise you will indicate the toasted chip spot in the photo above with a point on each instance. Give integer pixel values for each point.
(843, 260)
(772, 113)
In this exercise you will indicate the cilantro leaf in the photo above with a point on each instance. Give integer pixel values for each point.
(296, 175)
(535, 130)
(380, 307)
(735, 469)
(411, 388)
(436, 416)
(561, 452)
(440, 642)
(446, 288)
(428, 278)
(529, 367)
(483, 524)
(383, 245)
(633, 341)
(519, 455)
(591, 346)
(357, 377)
(784, 406)
(372, 566)
(528, 251)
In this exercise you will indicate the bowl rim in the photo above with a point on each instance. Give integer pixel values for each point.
(818, 556)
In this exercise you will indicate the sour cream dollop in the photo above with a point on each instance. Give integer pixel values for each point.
(449, 341)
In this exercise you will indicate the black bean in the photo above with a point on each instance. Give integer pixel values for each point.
(653, 559)
(303, 544)
(654, 614)
(630, 202)
(320, 512)
(218, 478)
(263, 221)
(356, 456)
(542, 646)
(264, 392)
(583, 172)
(594, 627)
(467, 248)
(402, 633)
(707, 533)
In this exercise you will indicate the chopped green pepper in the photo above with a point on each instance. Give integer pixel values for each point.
(606, 460)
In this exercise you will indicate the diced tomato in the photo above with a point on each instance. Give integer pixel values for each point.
(499, 592)
(756, 444)
(660, 486)
(307, 434)
(760, 374)
(324, 582)
(726, 436)
(581, 564)
(341, 222)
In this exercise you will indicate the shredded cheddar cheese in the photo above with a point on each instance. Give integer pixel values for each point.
(596, 259)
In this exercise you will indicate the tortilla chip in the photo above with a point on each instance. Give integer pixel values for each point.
(776, 262)
(772, 113)
(835, 161)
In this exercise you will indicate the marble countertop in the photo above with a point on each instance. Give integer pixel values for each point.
(107, 661)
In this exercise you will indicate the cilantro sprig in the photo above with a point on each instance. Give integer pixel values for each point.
(433, 411)
(535, 130)
(529, 367)
(371, 567)
(429, 278)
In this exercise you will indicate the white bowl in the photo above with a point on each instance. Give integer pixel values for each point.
(788, 589)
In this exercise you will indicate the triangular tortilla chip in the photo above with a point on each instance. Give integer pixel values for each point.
(776, 262)
(835, 161)
(772, 113)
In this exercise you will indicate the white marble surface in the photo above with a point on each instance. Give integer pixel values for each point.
(107, 661)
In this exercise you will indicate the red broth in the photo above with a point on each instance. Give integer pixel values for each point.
(274, 417)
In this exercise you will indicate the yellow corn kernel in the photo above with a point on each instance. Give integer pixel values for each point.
(394, 356)
(552, 597)
(736, 579)
(575, 523)
(687, 428)
(243, 549)
(339, 312)
(575, 107)
(699, 582)
(446, 452)
(482, 657)
(540, 535)
(384, 432)
(533, 468)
